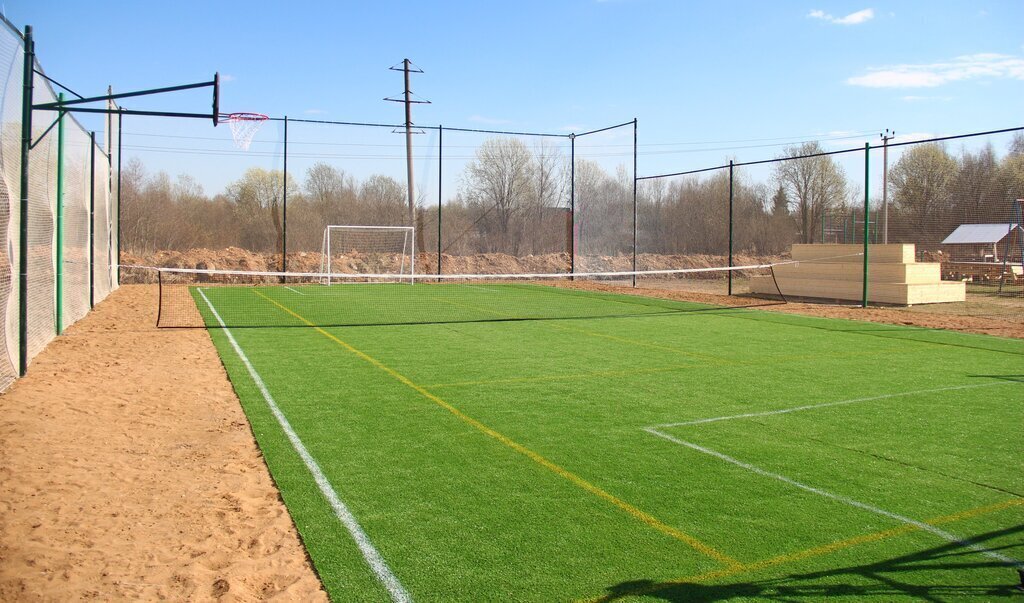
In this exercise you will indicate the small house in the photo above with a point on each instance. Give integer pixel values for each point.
(984, 243)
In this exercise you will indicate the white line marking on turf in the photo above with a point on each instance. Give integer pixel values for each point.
(294, 290)
(370, 553)
(783, 411)
(948, 536)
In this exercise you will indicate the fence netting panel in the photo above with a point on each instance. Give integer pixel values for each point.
(354, 176)
(505, 203)
(190, 198)
(103, 253)
(107, 216)
(11, 59)
(683, 222)
(958, 203)
(41, 306)
(75, 248)
(603, 228)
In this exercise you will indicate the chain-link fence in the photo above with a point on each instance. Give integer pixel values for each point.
(54, 255)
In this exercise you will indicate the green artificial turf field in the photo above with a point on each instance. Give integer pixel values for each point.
(627, 449)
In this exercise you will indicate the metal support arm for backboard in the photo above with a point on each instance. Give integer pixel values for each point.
(72, 105)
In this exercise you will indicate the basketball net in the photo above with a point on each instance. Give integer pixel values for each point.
(243, 127)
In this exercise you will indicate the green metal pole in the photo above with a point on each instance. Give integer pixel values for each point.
(92, 220)
(730, 225)
(634, 202)
(60, 218)
(120, 128)
(440, 191)
(284, 204)
(28, 75)
(867, 182)
(572, 203)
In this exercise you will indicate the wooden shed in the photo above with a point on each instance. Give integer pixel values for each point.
(983, 243)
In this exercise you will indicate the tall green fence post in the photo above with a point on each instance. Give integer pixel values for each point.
(572, 203)
(440, 190)
(731, 224)
(867, 182)
(92, 219)
(28, 75)
(634, 201)
(284, 205)
(120, 146)
(60, 217)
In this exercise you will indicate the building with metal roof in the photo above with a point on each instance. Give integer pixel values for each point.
(983, 241)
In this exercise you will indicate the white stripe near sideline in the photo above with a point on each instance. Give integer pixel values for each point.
(948, 536)
(370, 553)
(294, 290)
(783, 411)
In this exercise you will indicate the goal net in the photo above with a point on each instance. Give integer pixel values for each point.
(353, 250)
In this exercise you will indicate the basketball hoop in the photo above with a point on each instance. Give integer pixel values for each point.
(243, 126)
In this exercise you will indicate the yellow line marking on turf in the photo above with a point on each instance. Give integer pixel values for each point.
(813, 552)
(644, 517)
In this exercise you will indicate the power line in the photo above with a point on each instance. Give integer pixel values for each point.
(787, 141)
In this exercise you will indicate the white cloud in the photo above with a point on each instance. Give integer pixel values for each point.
(314, 112)
(930, 75)
(861, 16)
(226, 77)
(480, 119)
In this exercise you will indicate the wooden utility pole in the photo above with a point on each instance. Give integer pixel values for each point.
(886, 137)
(407, 68)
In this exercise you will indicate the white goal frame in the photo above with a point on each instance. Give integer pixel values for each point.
(408, 250)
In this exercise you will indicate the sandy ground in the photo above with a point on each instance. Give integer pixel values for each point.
(129, 472)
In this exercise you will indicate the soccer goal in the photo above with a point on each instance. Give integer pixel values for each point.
(348, 250)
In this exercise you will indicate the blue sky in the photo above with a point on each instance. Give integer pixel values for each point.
(707, 81)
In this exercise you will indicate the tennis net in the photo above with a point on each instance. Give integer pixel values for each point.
(227, 298)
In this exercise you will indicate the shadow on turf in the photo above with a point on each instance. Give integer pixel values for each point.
(330, 324)
(883, 330)
(873, 581)
(1013, 378)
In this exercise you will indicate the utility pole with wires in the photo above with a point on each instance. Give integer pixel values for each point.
(407, 67)
(886, 137)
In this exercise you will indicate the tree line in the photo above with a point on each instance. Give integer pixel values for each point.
(513, 198)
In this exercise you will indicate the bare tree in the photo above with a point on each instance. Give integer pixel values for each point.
(813, 185)
(382, 200)
(1017, 143)
(330, 193)
(258, 195)
(499, 180)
